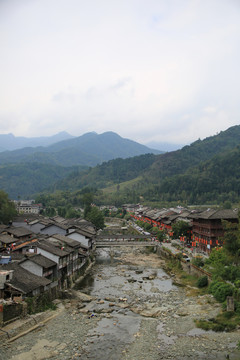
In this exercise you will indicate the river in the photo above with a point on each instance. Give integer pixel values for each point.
(127, 308)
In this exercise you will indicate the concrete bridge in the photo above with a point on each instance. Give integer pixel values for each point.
(115, 243)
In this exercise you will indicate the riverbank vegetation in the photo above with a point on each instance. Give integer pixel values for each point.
(224, 266)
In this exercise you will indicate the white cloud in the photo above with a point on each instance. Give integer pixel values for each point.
(160, 70)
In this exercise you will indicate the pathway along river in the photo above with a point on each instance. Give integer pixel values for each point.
(127, 308)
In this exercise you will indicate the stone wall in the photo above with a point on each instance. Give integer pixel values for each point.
(187, 266)
(12, 311)
(194, 270)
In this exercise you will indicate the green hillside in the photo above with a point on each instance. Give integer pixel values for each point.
(216, 179)
(26, 179)
(187, 175)
(107, 174)
(206, 171)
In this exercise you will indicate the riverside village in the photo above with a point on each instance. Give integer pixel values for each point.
(79, 292)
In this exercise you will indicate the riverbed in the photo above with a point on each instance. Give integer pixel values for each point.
(128, 308)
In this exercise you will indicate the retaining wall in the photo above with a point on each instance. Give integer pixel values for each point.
(187, 266)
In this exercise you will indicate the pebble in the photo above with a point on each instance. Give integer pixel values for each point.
(79, 337)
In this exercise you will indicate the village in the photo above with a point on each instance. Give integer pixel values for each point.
(47, 260)
(40, 255)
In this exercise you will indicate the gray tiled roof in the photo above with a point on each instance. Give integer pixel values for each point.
(19, 231)
(40, 260)
(7, 239)
(25, 281)
(68, 241)
(47, 246)
(224, 214)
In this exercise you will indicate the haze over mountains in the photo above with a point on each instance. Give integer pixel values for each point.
(89, 149)
(206, 170)
(11, 142)
(30, 170)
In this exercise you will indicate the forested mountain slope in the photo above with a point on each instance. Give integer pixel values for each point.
(25, 180)
(194, 173)
(152, 170)
(89, 149)
(177, 162)
(207, 170)
(108, 173)
(215, 179)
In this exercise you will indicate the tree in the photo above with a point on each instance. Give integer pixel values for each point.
(87, 201)
(181, 228)
(227, 204)
(216, 263)
(95, 216)
(231, 240)
(7, 208)
(50, 211)
(161, 235)
(71, 213)
(61, 211)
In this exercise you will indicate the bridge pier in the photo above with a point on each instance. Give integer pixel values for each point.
(111, 252)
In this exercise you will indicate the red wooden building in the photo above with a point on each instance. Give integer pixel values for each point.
(207, 227)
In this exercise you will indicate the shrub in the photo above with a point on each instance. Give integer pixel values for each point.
(237, 307)
(198, 261)
(202, 281)
(221, 290)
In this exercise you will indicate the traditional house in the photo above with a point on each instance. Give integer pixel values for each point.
(76, 250)
(37, 225)
(23, 283)
(25, 247)
(55, 228)
(207, 227)
(7, 242)
(61, 256)
(40, 265)
(18, 233)
(82, 236)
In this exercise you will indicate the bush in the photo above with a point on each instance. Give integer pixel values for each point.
(202, 281)
(237, 307)
(198, 261)
(226, 321)
(221, 290)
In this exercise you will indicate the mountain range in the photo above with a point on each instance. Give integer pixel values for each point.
(206, 171)
(30, 170)
(89, 149)
(11, 142)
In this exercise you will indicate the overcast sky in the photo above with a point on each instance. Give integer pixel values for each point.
(150, 70)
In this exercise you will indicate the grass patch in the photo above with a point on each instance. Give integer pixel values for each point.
(183, 279)
(225, 321)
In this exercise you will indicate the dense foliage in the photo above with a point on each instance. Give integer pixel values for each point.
(27, 179)
(108, 173)
(223, 263)
(202, 281)
(96, 217)
(181, 228)
(7, 208)
(207, 171)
